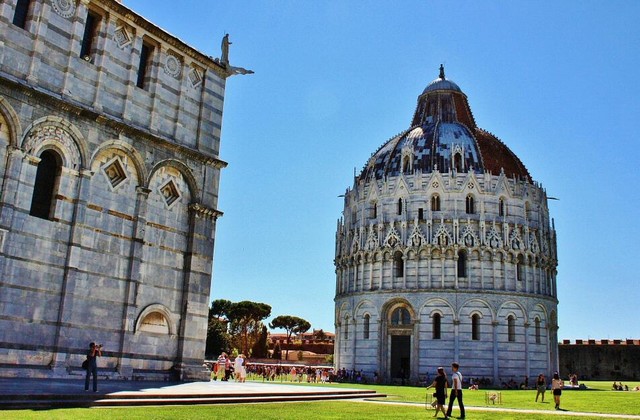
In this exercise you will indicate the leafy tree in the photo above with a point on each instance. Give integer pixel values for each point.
(220, 308)
(292, 325)
(242, 323)
(246, 322)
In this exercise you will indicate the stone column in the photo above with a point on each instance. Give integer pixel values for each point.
(74, 246)
(337, 354)
(194, 312)
(129, 307)
(415, 351)
(527, 361)
(40, 25)
(456, 339)
(496, 367)
(354, 343)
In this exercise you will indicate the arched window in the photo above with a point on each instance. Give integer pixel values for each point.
(501, 207)
(436, 326)
(511, 328)
(399, 206)
(400, 316)
(435, 202)
(462, 264)
(475, 327)
(22, 13)
(457, 162)
(365, 326)
(44, 189)
(398, 264)
(470, 207)
(537, 323)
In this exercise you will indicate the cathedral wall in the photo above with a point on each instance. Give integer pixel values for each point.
(124, 257)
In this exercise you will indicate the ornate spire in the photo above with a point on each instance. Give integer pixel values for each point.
(441, 72)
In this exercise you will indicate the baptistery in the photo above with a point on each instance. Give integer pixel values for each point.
(445, 252)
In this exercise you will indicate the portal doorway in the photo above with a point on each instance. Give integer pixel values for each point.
(400, 362)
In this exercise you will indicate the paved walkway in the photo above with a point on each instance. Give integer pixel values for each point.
(42, 393)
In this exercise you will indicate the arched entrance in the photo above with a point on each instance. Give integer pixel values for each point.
(400, 344)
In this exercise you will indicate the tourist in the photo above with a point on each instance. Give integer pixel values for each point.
(440, 383)
(456, 391)
(221, 362)
(556, 387)
(94, 352)
(541, 386)
(227, 368)
(237, 366)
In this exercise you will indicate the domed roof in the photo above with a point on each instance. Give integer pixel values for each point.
(443, 137)
(441, 83)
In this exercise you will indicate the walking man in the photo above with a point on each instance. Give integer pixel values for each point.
(456, 390)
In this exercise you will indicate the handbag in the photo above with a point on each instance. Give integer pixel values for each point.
(85, 364)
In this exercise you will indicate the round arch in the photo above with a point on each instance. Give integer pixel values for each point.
(127, 149)
(194, 191)
(149, 311)
(13, 121)
(58, 133)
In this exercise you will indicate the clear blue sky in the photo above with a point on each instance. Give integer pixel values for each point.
(557, 81)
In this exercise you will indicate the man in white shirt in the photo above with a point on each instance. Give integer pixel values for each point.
(456, 390)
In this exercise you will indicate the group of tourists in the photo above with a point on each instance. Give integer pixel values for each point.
(441, 384)
(223, 369)
(292, 373)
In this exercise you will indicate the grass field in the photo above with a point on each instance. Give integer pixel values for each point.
(599, 398)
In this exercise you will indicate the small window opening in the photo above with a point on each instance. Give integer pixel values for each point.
(420, 214)
(537, 330)
(511, 327)
(462, 264)
(23, 7)
(475, 327)
(398, 264)
(144, 68)
(470, 205)
(436, 326)
(457, 162)
(435, 202)
(519, 268)
(367, 318)
(90, 34)
(406, 165)
(501, 207)
(399, 206)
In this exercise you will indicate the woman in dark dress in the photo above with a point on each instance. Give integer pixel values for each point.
(441, 384)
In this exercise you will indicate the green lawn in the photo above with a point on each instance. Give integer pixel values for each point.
(598, 399)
